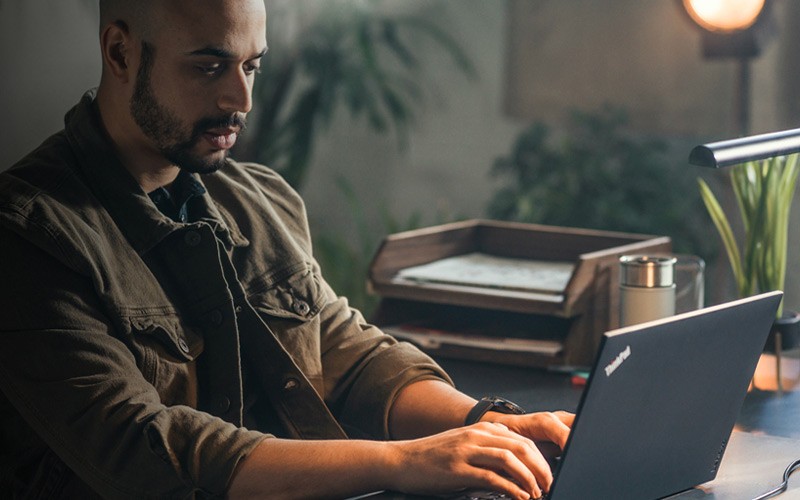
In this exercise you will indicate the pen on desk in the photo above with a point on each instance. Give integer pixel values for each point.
(579, 378)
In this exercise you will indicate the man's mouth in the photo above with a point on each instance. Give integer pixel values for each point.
(221, 138)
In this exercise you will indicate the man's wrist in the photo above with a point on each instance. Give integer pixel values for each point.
(491, 404)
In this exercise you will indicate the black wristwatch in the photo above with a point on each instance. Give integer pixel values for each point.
(499, 405)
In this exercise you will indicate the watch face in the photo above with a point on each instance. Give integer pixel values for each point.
(505, 406)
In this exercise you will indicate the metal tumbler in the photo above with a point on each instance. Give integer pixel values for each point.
(647, 288)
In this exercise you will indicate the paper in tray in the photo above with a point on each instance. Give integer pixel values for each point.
(490, 271)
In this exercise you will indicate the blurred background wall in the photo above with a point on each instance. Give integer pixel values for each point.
(533, 60)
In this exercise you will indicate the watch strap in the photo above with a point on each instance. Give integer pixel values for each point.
(487, 404)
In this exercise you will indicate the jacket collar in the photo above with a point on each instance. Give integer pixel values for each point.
(133, 211)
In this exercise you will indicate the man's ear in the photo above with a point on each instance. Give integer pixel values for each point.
(116, 46)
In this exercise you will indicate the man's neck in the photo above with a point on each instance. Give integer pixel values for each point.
(150, 181)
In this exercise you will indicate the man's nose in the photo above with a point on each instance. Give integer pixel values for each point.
(237, 93)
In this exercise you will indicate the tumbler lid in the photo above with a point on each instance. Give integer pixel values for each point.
(647, 271)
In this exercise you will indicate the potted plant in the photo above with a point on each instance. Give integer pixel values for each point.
(332, 56)
(764, 191)
(599, 175)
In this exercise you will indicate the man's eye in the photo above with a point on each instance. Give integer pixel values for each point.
(252, 69)
(210, 69)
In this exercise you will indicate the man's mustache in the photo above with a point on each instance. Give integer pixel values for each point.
(236, 120)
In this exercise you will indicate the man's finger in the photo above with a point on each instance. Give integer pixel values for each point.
(528, 456)
(504, 471)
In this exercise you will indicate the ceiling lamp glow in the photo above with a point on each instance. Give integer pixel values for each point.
(724, 15)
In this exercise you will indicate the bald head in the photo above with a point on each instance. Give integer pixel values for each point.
(137, 15)
(143, 18)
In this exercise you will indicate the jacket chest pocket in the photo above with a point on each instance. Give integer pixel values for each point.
(165, 351)
(290, 307)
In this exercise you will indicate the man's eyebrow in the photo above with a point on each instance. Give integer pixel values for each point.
(221, 53)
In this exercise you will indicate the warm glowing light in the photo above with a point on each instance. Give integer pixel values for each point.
(724, 15)
(766, 375)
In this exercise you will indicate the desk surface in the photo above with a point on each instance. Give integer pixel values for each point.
(753, 464)
(767, 438)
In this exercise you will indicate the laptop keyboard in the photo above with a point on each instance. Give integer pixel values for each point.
(487, 495)
(552, 454)
(482, 495)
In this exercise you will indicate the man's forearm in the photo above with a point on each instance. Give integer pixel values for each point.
(428, 407)
(281, 468)
(440, 464)
(451, 458)
(305, 469)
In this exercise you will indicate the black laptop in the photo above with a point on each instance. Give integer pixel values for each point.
(661, 402)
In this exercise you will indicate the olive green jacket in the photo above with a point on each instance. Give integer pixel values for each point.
(134, 350)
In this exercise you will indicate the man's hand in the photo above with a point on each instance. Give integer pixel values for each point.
(487, 455)
(544, 426)
(434, 453)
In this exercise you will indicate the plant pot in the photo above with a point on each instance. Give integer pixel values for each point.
(788, 326)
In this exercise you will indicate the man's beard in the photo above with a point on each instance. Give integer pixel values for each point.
(165, 129)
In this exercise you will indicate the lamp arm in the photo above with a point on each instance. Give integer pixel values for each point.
(744, 149)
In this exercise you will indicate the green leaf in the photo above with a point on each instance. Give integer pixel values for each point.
(725, 231)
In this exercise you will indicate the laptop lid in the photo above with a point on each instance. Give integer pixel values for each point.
(661, 402)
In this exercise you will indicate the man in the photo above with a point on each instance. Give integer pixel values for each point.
(166, 331)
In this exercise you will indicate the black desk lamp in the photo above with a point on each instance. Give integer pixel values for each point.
(744, 149)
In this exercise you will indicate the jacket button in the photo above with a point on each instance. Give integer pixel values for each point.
(215, 317)
(301, 307)
(192, 238)
(223, 404)
(183, 345)
(290, 384)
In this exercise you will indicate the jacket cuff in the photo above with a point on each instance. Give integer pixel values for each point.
(366, 410)
(203, 449)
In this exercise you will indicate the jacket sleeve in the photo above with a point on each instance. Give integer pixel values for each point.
(80, 390)
(363, 368)
(366, 369)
